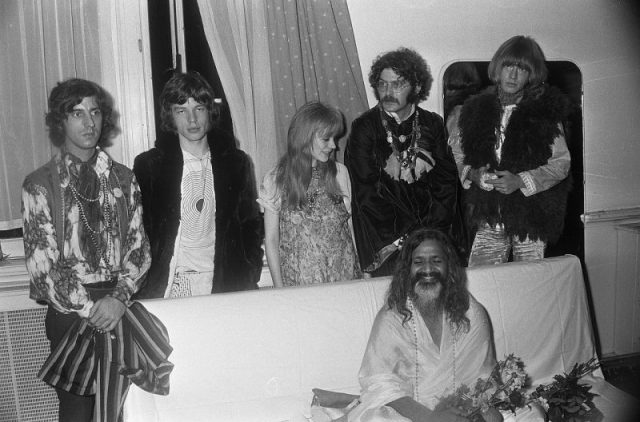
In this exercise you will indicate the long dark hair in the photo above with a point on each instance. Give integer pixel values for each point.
(179, 89)
(456, 296)
(68, 94)
(293, 173)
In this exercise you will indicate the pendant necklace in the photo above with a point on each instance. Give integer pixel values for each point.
(407, 156)
(203, 176)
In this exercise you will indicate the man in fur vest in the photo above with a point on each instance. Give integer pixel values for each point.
(199, 199)
(513, 159)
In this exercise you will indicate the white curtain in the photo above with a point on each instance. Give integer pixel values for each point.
(237, 34)
(42, 42)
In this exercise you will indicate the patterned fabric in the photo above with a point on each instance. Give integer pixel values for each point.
(86, 362)
(385, 209)
(313, 57)
(315, 242)
(237, 261)
(191, 283)
(492, 246)
(197, 241)
(60, 250)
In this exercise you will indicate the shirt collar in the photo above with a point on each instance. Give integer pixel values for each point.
(395, 117)
(68, 164)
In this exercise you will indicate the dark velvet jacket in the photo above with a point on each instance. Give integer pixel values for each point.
(239, 226)
(385, 209)
(529, 137)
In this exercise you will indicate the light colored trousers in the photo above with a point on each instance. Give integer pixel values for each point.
(492, 246)
(191, 283)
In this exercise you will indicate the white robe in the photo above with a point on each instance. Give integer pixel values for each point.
(389, 369)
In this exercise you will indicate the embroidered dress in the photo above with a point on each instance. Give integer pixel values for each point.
(78, 233)
(315, 242)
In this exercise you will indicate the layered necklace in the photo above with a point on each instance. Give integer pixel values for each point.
(107, 214)
(404, 147)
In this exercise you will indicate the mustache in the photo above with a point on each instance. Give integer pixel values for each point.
(436, 275)
(389, 99)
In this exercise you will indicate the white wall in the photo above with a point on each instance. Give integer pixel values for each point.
(601, 37)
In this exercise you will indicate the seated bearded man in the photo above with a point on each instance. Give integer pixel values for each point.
(429, 338)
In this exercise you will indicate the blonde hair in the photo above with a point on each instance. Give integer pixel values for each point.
(523, 52)
(293, 174)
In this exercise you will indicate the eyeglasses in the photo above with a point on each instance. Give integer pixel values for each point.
(397, 85)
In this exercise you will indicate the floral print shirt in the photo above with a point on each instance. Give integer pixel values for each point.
(61, 264)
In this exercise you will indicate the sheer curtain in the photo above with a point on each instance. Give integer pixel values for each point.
(42, 43)
(313, 57)
(237, 36)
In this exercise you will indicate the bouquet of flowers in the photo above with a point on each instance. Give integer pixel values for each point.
(564, 399)
(502, 390)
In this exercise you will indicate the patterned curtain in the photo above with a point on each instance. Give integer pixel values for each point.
(313, 57)
(42, 42)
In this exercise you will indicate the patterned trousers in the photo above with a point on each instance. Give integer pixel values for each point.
(191, 283)
(492, 246)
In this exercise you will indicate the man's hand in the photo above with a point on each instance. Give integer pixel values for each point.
(106, 313)
(506, 182)
(475, 175)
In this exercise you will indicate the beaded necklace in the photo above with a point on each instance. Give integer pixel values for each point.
(405, 156)
(414, 326)
(107, 213)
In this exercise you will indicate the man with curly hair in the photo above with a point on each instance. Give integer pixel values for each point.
(402, 172)
(429, 338)
(85, 244)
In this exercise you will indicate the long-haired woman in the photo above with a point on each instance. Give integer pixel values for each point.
(307, 204)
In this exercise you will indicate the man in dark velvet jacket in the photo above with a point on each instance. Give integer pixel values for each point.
(402, 171)
(199, 200)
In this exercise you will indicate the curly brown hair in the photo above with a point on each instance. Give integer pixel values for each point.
(456, 295)
(408, 64)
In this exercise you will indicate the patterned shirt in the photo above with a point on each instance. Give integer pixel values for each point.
(64, 251)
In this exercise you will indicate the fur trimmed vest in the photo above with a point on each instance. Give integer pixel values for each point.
(528, 142)
(239, 227)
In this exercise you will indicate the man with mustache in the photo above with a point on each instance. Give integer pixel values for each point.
(429, 338)
(402, 172)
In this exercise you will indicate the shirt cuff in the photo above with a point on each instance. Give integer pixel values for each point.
(529, 186)
(86, 309)
(122, 293)
(466, 183)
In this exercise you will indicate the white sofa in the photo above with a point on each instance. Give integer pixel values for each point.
(255, 356)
